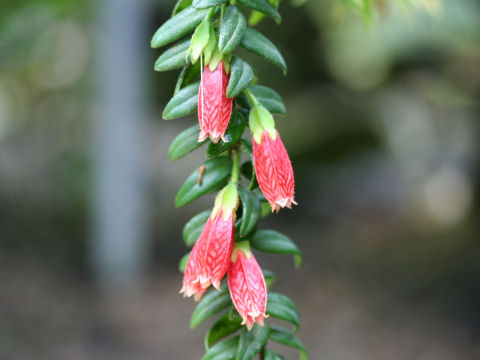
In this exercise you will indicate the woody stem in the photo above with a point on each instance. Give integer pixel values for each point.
(236, 167)
(251, 97)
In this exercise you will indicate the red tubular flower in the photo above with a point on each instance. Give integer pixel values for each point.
(272, 165)
(274, 171)
(247, 286)
(210, 257)
(214, 108)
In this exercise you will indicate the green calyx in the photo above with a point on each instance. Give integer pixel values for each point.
(260, 120)
(227, 200)
(244, 247)
(210, 47)
(200, 40)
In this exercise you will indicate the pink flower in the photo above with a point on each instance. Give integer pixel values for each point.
(273, 170)
(214, 108)
(247, 286)
(210, 257)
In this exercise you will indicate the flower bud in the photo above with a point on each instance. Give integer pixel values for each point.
(247, 286)
(214, 108)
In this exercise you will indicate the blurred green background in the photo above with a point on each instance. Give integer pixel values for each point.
(383, 131)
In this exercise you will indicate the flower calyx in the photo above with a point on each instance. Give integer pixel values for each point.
(260, 120)
(227, 201)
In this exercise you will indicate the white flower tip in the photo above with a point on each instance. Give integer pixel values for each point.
(203, 135)
(216, 284)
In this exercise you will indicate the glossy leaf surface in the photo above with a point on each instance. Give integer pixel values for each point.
(214, 175)
(185, 143)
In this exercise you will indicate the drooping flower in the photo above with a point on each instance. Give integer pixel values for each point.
(210, 257)
(214, 107)
(273, 168)
(247, 286)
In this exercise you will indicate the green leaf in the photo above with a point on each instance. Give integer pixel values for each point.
(204, 4)
(183, 262)
(281, 307)
(269, 277)
(286, 337)
(179, 25)
(191, 73)
(248, 171)
(193, 228)
(271, 241)
(180, 5)
(215, 175)
(270, 355)
(224, 350)
(241, 76)
(183, 103)
(212, 303)
(269, 98)
(231, 30)
(266, 208)
(251, 342)
(259, 45)
(234, 132)
(222, 328)
(250, 211)
(173, 58)
(185, 143)
(264, 7)
(187, 75)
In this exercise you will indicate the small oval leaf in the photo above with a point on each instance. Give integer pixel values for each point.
(193, 228)
(262, 6)
(251, 210)
(251, 342)
(271, 241)
(267, 97)
(185, 143)
(234, 132)
(231, 30)
(224, 350)
(179, 25)
(223, 327)
(183, 262)
(241, 76)
(286, 337)
(214, 175)
(183, 103)
(173, 58)
(212, 303)
(281, 307)
(204, 4)
(259, 45)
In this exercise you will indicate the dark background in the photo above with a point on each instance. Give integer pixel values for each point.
(382, 129)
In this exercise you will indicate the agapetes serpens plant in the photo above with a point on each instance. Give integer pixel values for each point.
(250, 170)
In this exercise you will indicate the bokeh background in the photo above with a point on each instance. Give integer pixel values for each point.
(383, 132)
